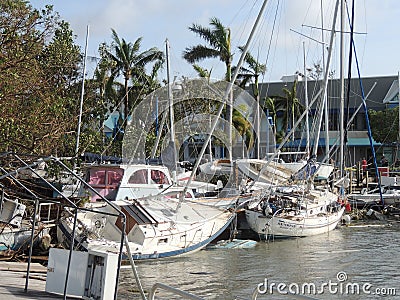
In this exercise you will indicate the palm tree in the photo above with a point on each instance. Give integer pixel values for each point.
(219, 39)
(108, 89)
(202, 72)
(253, 70)
(144, 84)
(244, 128)
(290, 104)
(269, 104)
(129, 61)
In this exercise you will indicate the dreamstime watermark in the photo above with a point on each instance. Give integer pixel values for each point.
(340, 286)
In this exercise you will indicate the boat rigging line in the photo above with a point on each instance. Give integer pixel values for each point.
(366, 115)
(225, 98)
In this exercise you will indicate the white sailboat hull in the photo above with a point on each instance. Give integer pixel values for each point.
(294, 213)
(286, 227)
(154, 229)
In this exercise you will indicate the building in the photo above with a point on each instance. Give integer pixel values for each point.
(379, 92)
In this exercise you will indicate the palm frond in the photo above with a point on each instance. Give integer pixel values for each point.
(202, 72)
(199, 52)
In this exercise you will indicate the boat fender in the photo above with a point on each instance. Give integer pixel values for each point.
(346, 219)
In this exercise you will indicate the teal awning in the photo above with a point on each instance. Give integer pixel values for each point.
(352, 142)
(361, 142)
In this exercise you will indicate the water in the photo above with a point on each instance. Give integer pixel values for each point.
(363, 255)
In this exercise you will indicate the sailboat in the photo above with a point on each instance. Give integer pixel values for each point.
(297, 209)
(159, 222)
(292, 212)
(155, 228)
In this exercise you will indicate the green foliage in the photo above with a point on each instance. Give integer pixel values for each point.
(41, 80)
(244, 128)
(202, 72)
(288, 104)
(384, 125)
(252, 71)
(269, 104)
(38, 72)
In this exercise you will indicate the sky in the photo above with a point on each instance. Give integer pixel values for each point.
(288, 31)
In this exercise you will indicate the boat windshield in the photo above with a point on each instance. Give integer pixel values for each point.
(139, 177)
(159, 177)
(101, 177)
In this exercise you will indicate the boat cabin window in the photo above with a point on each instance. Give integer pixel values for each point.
(114, 177)
(97, 177)
(139, 177)
(110, 178)
(159, 177)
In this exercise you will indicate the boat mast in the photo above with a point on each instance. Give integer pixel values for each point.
(341, 162)
(307, 107)
(226, 95)
(325, 82)
(171, 111)
(326, 96)
(82, 92)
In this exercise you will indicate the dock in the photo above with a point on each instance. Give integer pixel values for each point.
(13, 277)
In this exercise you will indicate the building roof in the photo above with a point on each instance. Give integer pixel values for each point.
(377, 88)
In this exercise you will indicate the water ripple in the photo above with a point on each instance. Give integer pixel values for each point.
(365, 254)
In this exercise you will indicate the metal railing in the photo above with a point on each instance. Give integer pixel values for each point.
(170, 289)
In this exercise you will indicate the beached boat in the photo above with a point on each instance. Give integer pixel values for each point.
(12, 233)
(156, 227)
(16, 229)
(291, 211)
(160, 222)
(390, 196)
